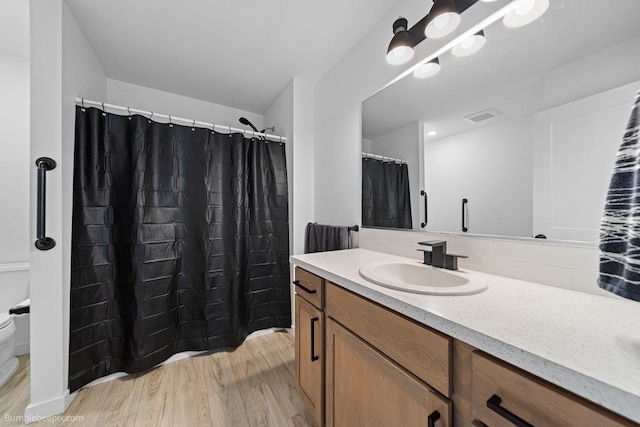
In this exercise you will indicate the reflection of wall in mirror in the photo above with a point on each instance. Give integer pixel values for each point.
(402, 143)
(568, 191)
(491, 167)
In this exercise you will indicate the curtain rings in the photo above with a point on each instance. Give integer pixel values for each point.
(151, 117)
(104, 113)
(129, 112)
(193, 126)
(83, 109)
(170, 121)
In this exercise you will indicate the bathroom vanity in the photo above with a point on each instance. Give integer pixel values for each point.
(516, 354)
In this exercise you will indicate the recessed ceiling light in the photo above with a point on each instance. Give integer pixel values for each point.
(432, 133)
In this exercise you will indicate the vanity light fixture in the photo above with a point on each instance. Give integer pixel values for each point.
(401, 47)
(443, 18)
(470, 45)
(429, 69)
(525, 12)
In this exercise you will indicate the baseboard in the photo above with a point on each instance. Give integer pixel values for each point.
(43, 411)
(22, 348)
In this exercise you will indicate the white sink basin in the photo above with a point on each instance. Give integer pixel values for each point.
(422, 279)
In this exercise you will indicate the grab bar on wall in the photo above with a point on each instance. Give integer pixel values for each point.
(44, 164)
(464, 216)
(426, 209)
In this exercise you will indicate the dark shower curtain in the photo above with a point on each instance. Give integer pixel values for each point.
(386, 199)
(180, 242)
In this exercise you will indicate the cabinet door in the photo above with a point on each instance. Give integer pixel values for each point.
(364, 388)
(310, 356)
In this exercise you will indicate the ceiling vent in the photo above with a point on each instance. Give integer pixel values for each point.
(483, 115)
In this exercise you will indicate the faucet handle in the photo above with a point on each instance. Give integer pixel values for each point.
(451, 261)
(433, 243)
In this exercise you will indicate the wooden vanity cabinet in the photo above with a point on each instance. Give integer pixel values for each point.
(309, 338)
(382, 369)
(367, 365)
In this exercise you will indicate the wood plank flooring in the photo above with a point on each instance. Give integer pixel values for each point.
(251, 386)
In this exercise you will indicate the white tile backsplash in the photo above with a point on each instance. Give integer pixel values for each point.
(560, 277)
(571, 256)
(560, 265)
(530, 252)
(493, 265)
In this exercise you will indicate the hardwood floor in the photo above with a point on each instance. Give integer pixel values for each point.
(251, 386)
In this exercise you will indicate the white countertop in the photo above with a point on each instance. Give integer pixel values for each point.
(584, 343)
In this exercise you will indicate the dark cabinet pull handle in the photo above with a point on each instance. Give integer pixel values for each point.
(494, 404)
(435, 416)
(43, 243)
(464, 219)
(313, 339)
(426, 209)
(307, 290)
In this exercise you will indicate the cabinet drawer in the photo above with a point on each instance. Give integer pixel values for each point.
(512, 392)
(310, 287)
(422, 351)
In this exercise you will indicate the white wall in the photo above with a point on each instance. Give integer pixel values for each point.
(145, 98)
(14, 152)
(491, 166)
(14, 180)
(402, 143)
(63, 66)
(303, 164)
(601, 71)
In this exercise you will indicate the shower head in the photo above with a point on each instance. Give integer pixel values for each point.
(246, 122)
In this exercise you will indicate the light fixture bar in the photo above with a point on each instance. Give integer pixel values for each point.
(497, 15)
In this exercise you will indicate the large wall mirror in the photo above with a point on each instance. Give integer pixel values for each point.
(526, 130)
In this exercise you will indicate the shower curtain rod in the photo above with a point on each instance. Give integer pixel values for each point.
(383, 158)
(173, 119)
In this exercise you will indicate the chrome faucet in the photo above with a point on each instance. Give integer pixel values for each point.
(438, 256)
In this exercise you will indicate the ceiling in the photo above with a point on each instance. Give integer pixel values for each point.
(507, 74)
(14, 28)
(239, 53)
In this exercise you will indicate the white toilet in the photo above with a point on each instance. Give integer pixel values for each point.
(8, 362)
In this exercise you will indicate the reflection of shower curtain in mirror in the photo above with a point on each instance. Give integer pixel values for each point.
(386, 201)
(180, 242)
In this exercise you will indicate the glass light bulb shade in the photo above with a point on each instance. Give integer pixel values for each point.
(525, 12)
(442, 25)
(524, 6)
(469, 46)
(432, 133)
(399, 55)
(427, 70)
